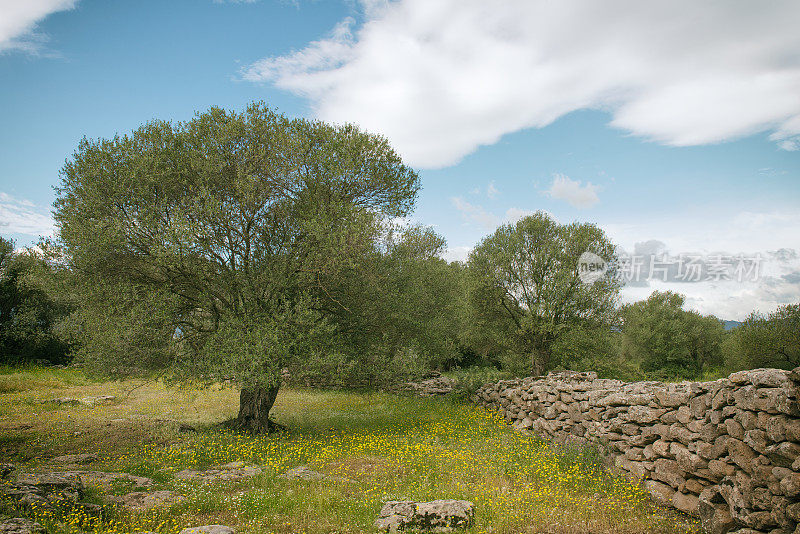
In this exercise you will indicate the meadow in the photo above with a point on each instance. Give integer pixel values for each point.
(371, 447)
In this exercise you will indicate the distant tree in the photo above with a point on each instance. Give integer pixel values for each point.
(211, 249)
(765, 341)
(29, 316)
(668, 341)
(526, 291)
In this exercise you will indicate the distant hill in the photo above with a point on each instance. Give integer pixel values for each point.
(730, 325)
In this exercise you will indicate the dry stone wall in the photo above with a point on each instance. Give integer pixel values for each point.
(726, 451)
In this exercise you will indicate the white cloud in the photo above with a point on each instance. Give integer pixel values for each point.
(441, 78)
(491, 190)
(515, 214)
(18, 21)
(19, 216)
(573, 192)
(456, 253)
(476, 214)
(771, 235)
(777, 284)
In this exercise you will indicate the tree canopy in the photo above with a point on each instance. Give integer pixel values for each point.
(668, 340)
(526, 288)
(218, 242)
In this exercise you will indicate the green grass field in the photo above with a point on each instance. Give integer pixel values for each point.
(373, 447)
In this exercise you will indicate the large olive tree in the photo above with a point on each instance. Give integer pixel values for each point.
(526, 290)
(208, 247)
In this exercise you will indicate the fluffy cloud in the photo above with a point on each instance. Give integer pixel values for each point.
(485, 220)
(573, 192)
(19, 216)
(441, 78)
(476, 214)
(18, 20)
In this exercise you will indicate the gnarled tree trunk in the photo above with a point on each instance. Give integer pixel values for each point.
(254, 406)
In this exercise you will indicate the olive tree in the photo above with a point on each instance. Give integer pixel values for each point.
(668, 341)
(208, 247)
(526, 288)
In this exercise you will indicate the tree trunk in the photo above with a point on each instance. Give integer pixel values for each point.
(254, 406)
(540, 360)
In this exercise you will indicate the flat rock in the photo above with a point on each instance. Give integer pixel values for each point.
(302, 473)
(94, 401)
(76, 458)
(208, 529)
(229, 472)
(19, 525)
(435, 516)
(141, 500)
(102, 479)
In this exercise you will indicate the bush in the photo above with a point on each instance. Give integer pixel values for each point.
(469, 380)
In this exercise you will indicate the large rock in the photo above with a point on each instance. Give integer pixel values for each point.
(139, 500)
(715, 515)
(433, 516)
(76, 458)
(19, 525)
(686, 503)
(45, 489)
(302, 473)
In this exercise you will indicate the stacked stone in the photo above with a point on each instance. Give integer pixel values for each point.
(726, 451)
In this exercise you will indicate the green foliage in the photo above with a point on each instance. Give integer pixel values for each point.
(217, 248)
(469, 379)
(29, 316)
(667, 341)
(525, 292)
(765, 341)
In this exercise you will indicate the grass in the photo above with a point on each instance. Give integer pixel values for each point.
(374, 447)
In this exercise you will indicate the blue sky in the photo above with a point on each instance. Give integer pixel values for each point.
(675, 127)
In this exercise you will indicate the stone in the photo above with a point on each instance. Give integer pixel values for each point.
(44, 489)
(660, 492)
(76, 458)
(783, 454)
(302, 473)
(735, 441)
(672, 399)
(208, 529)
(439, 385)
(793, 511)
(669, 472)
(685, 503)
(20, 525)
(715, 516)
(433, 516)
(741, 454)
(94, 401)
(790, 485)
(139, 500)
(734, 428)
(721, 469)
(102, 479)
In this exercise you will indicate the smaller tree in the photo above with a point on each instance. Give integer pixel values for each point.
(525, 285)
(669, 341)
(29, 316)
(765, 341)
